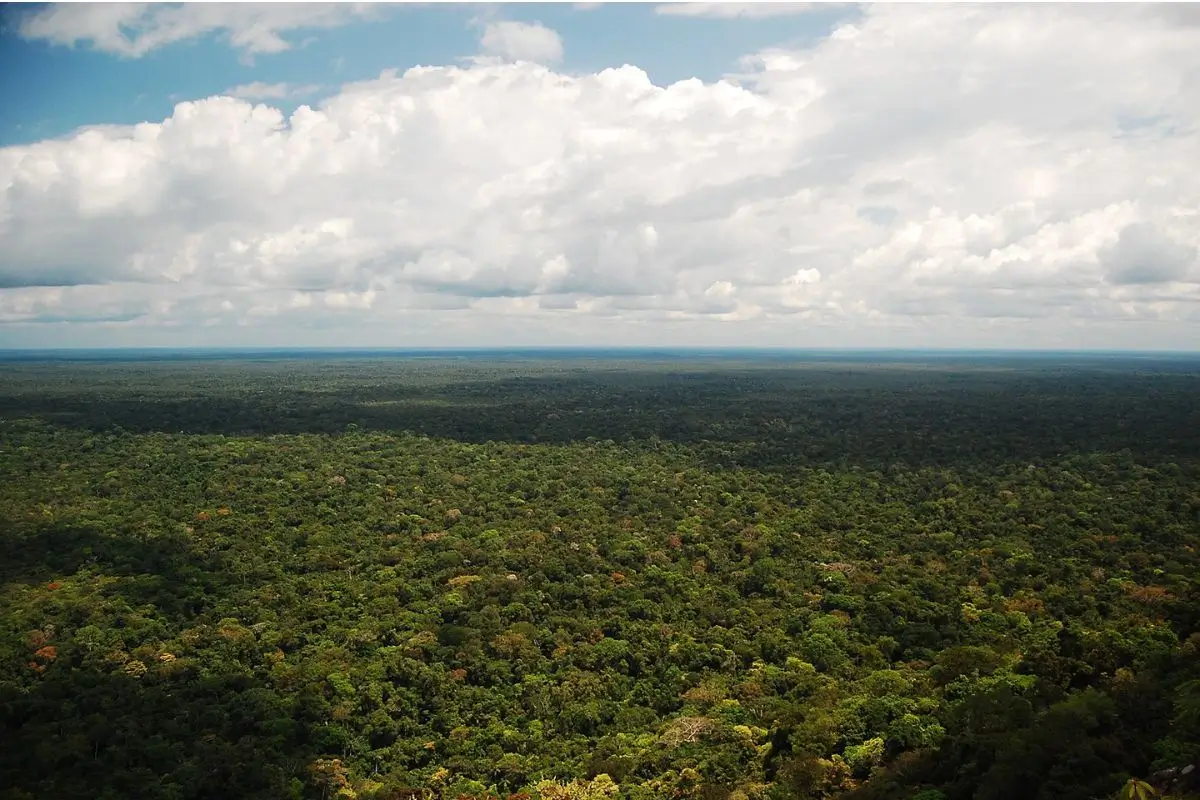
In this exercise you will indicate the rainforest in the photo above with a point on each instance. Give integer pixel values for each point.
(552, 575)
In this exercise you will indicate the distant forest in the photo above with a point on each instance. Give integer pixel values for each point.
(540, 577)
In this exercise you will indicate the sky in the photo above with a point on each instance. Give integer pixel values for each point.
(795, 175)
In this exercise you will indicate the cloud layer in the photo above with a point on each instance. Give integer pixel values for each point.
(742, 10)
(258, 90)
(952, 166)
(135, 29)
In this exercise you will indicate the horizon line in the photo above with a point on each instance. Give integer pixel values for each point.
(591, 348)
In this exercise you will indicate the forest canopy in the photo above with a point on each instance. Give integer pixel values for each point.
(597, 576)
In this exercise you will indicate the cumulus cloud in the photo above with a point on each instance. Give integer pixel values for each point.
(1142, 254)
(135, 29)
(521, 41)
(946, 168)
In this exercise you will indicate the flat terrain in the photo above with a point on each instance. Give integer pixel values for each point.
(718, 575)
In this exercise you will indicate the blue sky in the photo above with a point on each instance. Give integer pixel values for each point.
(953, 175)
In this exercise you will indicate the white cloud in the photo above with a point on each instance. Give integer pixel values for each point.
(135, 29)
(943, 171)
(521, 41)
(743, 10)
(271, 91)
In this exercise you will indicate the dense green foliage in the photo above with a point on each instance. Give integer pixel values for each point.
(761, 579)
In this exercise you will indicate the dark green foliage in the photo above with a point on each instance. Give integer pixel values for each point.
(402, 578)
